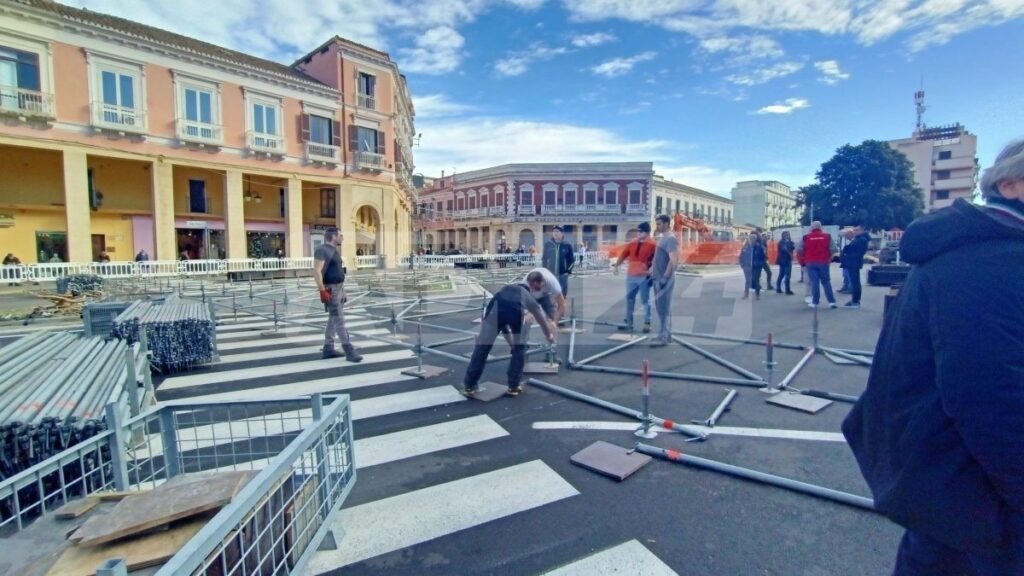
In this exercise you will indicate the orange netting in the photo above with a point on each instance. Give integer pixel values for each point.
(704, 252)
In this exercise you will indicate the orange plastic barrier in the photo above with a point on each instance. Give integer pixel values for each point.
(705, 253)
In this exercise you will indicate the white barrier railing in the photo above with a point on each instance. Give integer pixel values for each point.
(366, 261)
(588, 261)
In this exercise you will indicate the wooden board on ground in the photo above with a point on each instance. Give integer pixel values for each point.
(569, 330)
(140, 552)
(490, 391)
(76, 508)
(427, 372)
(610, 460)
(800, 402)
(180, 497)
(32, 551)
(621, 337)
(842, 361)
(540, 368)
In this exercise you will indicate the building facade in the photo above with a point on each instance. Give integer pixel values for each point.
(117, 137)
(765, 204)
(713, 210)
(945, 163)
(518, 205)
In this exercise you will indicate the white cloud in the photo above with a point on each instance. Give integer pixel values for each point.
(743, 48)
(831, 73)
(437, 51)
(519, 62)
(766, 74)
(620, 66)
(437, 106)
(788, 107)
(595, 39)
(924, 22)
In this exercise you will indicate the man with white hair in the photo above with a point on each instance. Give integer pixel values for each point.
(938, 432)
(816, 251)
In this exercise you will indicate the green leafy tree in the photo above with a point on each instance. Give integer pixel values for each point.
(869, 184)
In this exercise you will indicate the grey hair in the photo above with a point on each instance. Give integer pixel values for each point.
(816, 225)
(1009, 165)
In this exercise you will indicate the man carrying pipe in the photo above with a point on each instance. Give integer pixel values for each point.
(504, 314)
(329, 274)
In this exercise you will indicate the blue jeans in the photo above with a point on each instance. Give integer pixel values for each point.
(663, 304)
(785, 274)
(642, 285)
(846, 280)
(819, 277)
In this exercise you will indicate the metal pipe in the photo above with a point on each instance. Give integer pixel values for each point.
(718, 360)
(673, 376)
(722, 407)
(831, 396)
(846, 356)
(796, 369)
(739, 340)
(645, 429)
(667, 424)
(609, 351)
(764, 478)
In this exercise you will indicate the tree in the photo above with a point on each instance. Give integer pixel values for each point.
(869, 184)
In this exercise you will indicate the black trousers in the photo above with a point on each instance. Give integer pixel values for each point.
(855, 285)
(785, 273)
(504, 314)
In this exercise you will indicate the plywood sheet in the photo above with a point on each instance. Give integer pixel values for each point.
(180, 497)
(610, 460)
(76, 508)
(800, 402)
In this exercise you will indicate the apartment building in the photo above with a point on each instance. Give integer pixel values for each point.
(945, 160)
(118, 137)
(765, 204)
(513, 205)
(715, 211)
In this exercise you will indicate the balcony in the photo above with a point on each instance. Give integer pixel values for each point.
(961, 163)
(553, 209)
(958, 183)
(317, 152)
(367, 101)
(369, 161)
(119, 119)
(496, 211)
(526, 210)
(599, 208)
(201, 133)
(265, 143)
(636, 209)
(26, 103)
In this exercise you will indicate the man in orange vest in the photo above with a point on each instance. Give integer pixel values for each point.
(640, 254)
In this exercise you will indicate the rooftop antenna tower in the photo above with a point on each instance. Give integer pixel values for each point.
(919, 104)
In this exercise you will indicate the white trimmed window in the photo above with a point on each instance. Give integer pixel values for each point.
(550, 193)
(25, 82)
(569, 194)
(636, 193)
(117, 91)
(526, 195)
(590, 193)
(367, 87)
(198, 108)
(264, 122)
(611, 193)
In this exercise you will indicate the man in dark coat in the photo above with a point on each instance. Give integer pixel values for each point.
(852, 260)
(939, 431)
(559, 259)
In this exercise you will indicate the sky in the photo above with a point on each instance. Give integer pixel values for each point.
(711, 91)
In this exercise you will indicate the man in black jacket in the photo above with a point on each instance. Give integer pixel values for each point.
(938, 433)
(559, 259)
(852, 260)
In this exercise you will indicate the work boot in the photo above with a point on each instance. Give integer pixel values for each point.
(647, 327)
(350, 353)
(332, 353)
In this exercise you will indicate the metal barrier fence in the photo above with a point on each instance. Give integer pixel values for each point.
(302, 449)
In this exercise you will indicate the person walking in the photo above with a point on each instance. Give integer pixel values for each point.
(784, 260)
(504, 314)
(937, 433)
(558, 258)
(852, 259)
(767, 267)
(640, 254)
(751, 261)
(663, 278)
(817, 250)
(847, 234)
(329, 274)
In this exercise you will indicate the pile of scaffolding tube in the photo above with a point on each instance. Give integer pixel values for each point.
(180, 335)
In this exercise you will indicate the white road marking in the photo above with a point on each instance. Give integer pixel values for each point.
(415, 517)
(313, 336)
(294, 368)
(309, 387)
(720, 430)
(629, 558)
(286, 351)
(311, 323)
(425, 440)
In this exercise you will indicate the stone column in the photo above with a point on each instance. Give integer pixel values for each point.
(293, 219)
(234, 216)
(165, 237)
(76, 206)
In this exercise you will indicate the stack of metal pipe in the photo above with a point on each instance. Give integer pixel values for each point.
(79, 284)
(53, 389)
(180, 335)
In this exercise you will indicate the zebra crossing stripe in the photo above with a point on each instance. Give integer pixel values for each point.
(309, 387)
(286, 351)
(415, 517)
(631, 558)
(294, 368)
(425, 440)
(312, 323)
(313, 336)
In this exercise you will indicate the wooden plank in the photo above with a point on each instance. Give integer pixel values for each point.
(142, 552)
(76, 508)
(32, 551)
(180, 497)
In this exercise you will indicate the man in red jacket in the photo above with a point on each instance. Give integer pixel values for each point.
(815, 252)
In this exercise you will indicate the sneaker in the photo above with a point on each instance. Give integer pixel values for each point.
(809, 300)
(647, 328)
(658, 342)
(514, 390)
(812, 305)
(833, 305)
(470, 392)
(351, 355)
(788, 293)
(852, 305)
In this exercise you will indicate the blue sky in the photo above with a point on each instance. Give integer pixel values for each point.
(712, 91)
